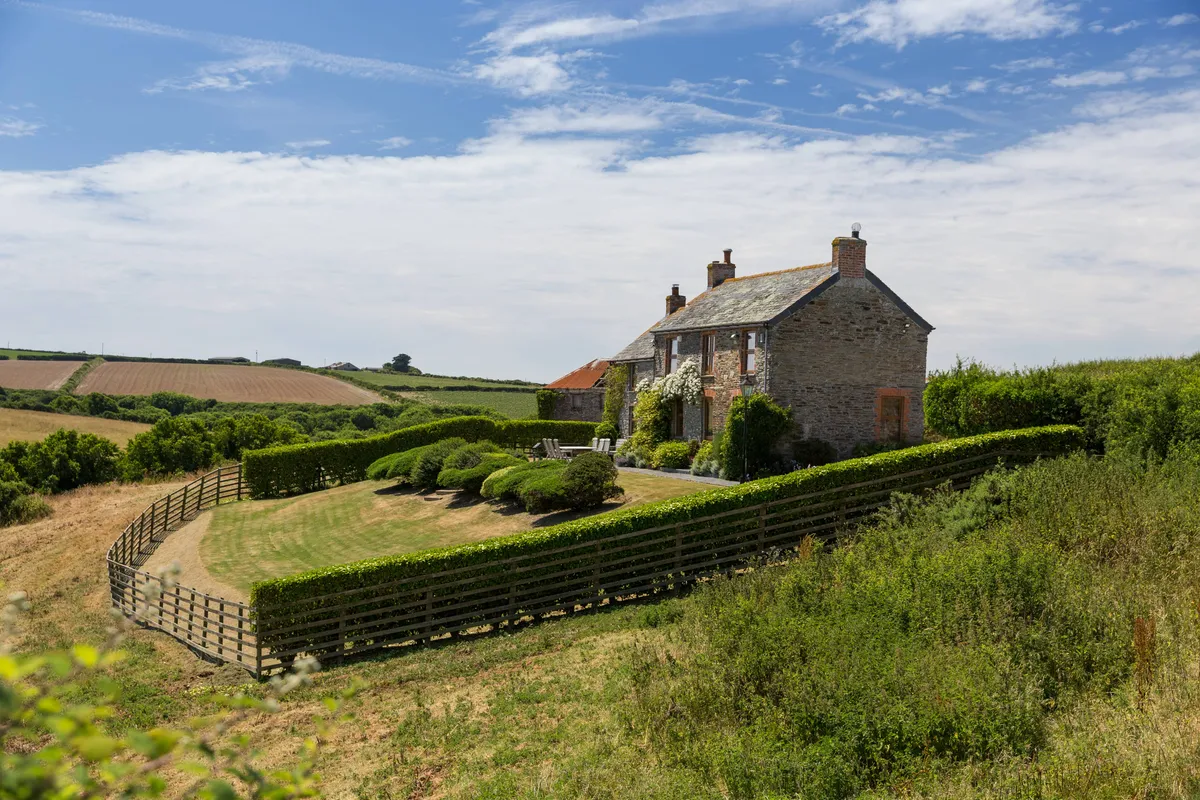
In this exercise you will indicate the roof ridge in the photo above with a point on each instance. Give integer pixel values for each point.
(777, 272)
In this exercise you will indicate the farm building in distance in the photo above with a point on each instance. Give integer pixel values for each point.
(581, 393)
(342, 366)
(830, 340)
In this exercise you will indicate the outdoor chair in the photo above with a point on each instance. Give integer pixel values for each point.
(555, 450)
(601, 445)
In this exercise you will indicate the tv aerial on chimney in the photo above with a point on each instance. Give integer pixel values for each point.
(855, 228)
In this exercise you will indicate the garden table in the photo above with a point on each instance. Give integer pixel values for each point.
(575, 449)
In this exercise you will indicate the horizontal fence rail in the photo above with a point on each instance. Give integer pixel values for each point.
(504, 593)
(219, 628)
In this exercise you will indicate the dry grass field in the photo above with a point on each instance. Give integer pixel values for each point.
(32, 426)
(233, 384)
(36, 374)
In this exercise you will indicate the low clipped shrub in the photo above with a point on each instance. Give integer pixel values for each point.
(506, 485)
(671, 455)
(277, 471)
(471, 479)
(428, 465)
(817, 452)
(706, 462)
(606, 430)
(470, 455)
(544, 492)
(589, 480)
(296, 599)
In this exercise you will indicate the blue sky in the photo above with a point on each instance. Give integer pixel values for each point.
(509, 189)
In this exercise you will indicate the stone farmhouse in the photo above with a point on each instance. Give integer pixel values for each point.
(830, 340)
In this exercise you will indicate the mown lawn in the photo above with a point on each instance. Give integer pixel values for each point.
(253, 541)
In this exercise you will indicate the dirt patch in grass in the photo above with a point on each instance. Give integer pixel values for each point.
(32, 426)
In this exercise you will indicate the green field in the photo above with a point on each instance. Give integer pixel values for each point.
(248, 542)
(514, 405)
(5, 353)
(402, 379)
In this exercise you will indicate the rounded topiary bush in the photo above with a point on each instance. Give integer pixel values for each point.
(471, 479)
(506, 485)
(542, 493)
(606, 430)
(425, 471)
(671, 455)
(589, 480)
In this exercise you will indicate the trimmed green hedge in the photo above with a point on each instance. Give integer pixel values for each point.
(295, 469)
(294, 601)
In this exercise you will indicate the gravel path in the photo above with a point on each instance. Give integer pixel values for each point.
(683, 476)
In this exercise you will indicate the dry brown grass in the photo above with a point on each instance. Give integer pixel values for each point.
(233, 384)
(36, 374)
(31, 426)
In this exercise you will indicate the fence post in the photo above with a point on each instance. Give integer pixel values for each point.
(166, 517)
(257, 650)
(217, 500)
(183, 503)
(239, 480)
(679, 555)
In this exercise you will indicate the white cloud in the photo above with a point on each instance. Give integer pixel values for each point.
(1133, 24)
(526, 75)
(976, 85)
(1094, 77)
(848, 108)
(940, 91)
(780, 82)
(897, 22)
(308, 144)
(228, 76)
(514, 36)
(1180, 19)
(602, 118)
(14, 128)
(1022, 64)
(818, 91)
(393, 143)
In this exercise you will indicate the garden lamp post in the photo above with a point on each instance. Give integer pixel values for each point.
(747, 390)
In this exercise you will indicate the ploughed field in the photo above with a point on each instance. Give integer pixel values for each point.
(33, 426)
(36, 374)
(230, 547)
(228, 383)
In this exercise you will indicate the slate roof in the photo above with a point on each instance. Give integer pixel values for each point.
(640, 349)
(746, 300)
(586, 377)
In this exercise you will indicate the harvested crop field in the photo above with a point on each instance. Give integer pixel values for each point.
(232, 384)
(32, 426)
(36, 374)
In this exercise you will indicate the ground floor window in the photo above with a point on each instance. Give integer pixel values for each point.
(707, 408)
(577, 402)
(677, 417)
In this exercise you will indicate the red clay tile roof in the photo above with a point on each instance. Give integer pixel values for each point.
(585, 377)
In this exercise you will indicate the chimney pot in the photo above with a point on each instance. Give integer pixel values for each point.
(728, 255)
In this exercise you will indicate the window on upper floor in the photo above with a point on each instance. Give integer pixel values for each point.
(708, 353)
(672, 354)
(749, 352)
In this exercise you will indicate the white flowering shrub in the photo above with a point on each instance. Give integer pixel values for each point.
(684, 383)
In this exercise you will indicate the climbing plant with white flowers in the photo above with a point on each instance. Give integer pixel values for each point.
(684, 383)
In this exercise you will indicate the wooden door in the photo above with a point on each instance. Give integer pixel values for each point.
(891, 419)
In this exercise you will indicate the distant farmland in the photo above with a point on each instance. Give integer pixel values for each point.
(517, 405)
(232, 384)
(33, 426)
(36, 374)
(432, 381)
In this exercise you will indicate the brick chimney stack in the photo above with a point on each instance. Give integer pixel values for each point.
(675, 300)
(850, 254)
(721, 271)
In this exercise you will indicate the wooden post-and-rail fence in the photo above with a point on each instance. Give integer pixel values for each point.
(495, 595)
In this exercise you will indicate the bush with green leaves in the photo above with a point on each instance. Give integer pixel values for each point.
(174, 445)
(505, 484)
(471, 479)
(671, 455)
(428, 465)
(705, 462)
(752, 432)
(607, 430)
(590, 480)
(547, 399)
(64, 460)
(542, 493)
(651, 422)
(616, 378)
(19, 504)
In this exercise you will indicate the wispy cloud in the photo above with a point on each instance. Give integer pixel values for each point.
(1092, 77)
(1022, 64)
(1180, 19)
(526, 74)
(1144, 63)
(308, 144)
(1133, 24)
(14, 128)
(393, 143)
(897, 22)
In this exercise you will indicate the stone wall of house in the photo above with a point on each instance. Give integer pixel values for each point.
(725, 382)
(582, 405)
(836, 359)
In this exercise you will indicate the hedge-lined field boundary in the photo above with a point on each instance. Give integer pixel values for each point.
(496, 583)
(294, 469)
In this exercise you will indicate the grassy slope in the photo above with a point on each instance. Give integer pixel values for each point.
(249, 542)
(15, 353)
(402, 379)
(514, 405)
(546, 712)
(18, 425)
